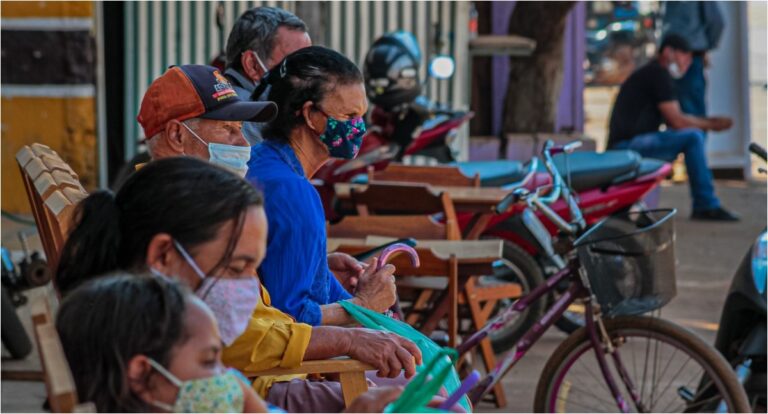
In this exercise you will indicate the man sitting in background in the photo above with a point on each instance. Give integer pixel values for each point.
(645, 101)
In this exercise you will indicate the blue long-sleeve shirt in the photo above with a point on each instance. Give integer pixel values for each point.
(295, 269)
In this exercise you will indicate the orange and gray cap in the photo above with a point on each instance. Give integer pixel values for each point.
(196, 91)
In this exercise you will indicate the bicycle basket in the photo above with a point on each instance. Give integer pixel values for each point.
(630, 261)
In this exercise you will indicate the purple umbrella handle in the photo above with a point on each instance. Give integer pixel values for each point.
(395, 312)
(464, 388)
(395, 248)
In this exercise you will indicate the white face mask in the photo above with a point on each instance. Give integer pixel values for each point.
(232, 157)
(674, 71)
(232, 300)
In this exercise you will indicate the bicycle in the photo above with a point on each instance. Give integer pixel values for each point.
(619, 270)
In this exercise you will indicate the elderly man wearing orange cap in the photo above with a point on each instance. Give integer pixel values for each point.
(193, 110)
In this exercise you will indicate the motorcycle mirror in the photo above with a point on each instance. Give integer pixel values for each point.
(442, 67)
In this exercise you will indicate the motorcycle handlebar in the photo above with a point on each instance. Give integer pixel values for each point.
(756, 149)
(514, 197)
(567, 148)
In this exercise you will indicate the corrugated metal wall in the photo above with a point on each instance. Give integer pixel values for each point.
(159, 34)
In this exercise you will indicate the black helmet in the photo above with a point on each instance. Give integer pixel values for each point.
(391, 70)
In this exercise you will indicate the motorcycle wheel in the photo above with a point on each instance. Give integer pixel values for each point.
(13, 334)
(519, 267)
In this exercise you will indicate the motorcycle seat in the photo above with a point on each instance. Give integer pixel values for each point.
(592, 170)
(493, 173)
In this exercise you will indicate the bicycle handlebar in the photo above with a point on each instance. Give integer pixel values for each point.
(560, 190)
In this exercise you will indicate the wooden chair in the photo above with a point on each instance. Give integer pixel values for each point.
(388, 198)
(59, 384)
(435, 175)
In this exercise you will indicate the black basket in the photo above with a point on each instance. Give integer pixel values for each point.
(630, 261)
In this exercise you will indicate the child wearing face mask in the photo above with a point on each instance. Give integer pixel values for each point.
(144, 343)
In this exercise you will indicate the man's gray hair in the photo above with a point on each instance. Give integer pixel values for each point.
(256, 30)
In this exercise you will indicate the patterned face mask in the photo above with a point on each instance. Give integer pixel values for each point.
(232, 301)
(343, 138)
(220, 393)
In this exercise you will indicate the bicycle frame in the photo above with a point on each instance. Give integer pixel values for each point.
(579, 288)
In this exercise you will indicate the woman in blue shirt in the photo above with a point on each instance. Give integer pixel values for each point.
(321, 99)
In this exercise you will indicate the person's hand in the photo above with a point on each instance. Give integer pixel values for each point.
(376, 290)
(346, 269)
(375, 400)
(387, 352)
(720, 123)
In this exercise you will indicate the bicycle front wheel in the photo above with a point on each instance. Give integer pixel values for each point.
(663, 365)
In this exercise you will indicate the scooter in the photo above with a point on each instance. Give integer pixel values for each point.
(32, 271)
(741, 337)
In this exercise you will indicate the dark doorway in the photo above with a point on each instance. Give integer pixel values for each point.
(114, 70)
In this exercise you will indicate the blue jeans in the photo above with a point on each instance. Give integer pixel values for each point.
(692, 89)
(666, 145)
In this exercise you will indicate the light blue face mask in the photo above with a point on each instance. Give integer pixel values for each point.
(232, 157)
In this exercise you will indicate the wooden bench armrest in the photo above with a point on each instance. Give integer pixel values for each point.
(59, 382)
(324, 366)
(351, 374)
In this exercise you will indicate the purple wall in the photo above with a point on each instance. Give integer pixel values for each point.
(570, 108)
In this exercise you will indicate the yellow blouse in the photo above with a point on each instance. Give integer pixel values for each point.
(271, 339)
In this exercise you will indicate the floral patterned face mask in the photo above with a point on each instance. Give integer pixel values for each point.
(343, 138)
(220, 393)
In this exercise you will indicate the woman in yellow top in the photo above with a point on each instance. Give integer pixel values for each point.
(206, 227)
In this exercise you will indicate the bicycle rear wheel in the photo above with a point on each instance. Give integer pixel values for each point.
(670, 368)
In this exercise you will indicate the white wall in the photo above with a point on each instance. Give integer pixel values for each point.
(728, 90)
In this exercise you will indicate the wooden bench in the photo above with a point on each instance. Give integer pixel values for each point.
(53, 190)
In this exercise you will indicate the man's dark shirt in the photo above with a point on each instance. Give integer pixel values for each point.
(636, 110)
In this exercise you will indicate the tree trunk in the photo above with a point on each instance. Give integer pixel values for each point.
(535, 81)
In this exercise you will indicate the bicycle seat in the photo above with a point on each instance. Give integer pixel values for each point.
(493, 173)
(592, 169)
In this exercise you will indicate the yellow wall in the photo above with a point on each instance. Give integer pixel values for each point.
(68, 125)
(46, 8)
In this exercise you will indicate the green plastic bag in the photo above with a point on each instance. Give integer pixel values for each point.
(424, 385)
(429, 349)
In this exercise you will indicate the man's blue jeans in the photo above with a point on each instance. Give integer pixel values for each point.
(666, 145)
(692, 89)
